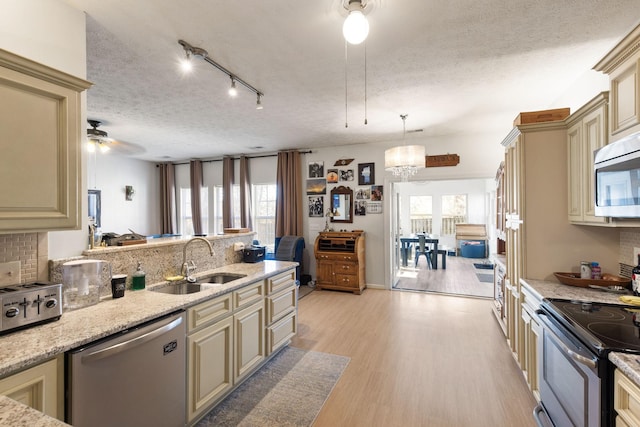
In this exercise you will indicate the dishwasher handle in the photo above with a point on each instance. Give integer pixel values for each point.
(134, 342)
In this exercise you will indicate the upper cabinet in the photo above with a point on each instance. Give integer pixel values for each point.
(40, 134)
(587, 132)
(622, 65)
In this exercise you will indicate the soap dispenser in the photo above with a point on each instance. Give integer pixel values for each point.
(138, 278)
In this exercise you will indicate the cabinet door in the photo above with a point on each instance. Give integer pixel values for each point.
(36, 387)
(324, 272)
(576, 172)
(626, 400)
(249, 332)
(210, 367)
(40, 115)
(594, 137)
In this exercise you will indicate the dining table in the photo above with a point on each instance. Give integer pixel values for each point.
(407, 241)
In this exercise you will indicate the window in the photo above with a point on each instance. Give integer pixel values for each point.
(421, 214)
(454, 211)
(264, 214)
(219, 203)
(185, 225)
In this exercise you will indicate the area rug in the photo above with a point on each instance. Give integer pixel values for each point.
(289, 390)
(486, 278)
(483, 266)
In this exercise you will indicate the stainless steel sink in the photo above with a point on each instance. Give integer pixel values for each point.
(179, 289)
(220, 278)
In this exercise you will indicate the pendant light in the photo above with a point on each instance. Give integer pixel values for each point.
(404, 160)
(356, 27)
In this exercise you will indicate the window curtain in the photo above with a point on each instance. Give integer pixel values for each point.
(245, 194)
(195, 168)
(227, 192)
(167, 198)
(289, 194)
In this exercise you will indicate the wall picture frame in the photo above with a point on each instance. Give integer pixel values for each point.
(366, 173)
(316, 169)
(316, 206)
(316, 186)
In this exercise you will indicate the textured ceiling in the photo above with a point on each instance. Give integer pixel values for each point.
(458, 68)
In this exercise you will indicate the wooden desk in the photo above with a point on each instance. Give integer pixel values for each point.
(406, 242)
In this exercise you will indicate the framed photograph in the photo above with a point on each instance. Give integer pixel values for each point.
(316, 206)
(374, 207)
(360, 208)
(316, 169)
(332, 176)
(363, 193)
(346, 175)
(317, 186)
(376, 193)
(94, 207)
(366, 174)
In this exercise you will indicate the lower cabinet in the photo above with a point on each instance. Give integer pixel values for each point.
(626, 401)
(37, 387)
(532, 333)
(232, 335)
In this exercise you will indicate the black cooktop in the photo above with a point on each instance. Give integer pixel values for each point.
(604, 327)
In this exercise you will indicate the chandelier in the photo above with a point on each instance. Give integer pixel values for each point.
(404, 160)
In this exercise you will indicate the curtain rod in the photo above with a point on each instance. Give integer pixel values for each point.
(257, 156)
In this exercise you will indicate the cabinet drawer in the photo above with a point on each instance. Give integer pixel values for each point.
(248, 295)
(337, 257)
(281, 332)
(208, 312)
(281, 281)
(626, 399)
(280, 304)
(346, 280)
(345, 268)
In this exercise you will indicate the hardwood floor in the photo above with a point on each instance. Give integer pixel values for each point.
(460, 277)
(417, 359)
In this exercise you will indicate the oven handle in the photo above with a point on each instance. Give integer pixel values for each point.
(541, 417)
(590, 362)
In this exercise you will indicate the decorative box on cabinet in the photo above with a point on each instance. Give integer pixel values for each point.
(587, 132)
(340, 261)
(40, 113)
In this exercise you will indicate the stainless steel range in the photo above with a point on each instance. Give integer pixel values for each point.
(576, 376)
(29, 304)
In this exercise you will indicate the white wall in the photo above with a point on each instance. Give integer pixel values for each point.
(53, 33)
(110, 173)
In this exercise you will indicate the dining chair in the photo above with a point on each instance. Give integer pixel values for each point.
(422, 249)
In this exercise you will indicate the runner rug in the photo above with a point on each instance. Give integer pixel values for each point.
(289, 390)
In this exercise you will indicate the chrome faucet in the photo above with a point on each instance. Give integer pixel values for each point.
(189, 267)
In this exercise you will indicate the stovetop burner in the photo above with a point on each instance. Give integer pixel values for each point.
(605, 327)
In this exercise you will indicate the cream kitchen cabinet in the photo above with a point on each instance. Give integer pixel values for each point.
(209, 353)
(281, 310)
(39, 387)
(532, 333)
(626, 401)
(622, 64)
(587, 132)
(249, 332)
(40, 114)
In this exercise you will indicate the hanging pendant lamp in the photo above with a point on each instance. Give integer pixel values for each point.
(404, 160)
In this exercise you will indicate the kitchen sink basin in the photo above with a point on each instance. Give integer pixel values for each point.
(220, 278)
(179, 289)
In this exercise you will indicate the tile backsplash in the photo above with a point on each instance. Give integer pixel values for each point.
(31, 249)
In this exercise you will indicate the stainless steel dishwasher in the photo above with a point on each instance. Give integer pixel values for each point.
(134, 378)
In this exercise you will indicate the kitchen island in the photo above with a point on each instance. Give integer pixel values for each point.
(40, 345)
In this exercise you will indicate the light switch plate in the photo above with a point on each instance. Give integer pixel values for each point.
(9, 273)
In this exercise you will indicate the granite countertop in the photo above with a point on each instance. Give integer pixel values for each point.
(16, 414)
(22, 349)
(627, 363)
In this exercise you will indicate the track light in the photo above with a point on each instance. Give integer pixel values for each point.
(356, 27)
(233, 92)
(192, 51)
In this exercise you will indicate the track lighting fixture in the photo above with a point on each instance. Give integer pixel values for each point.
(192, 51)
(356, 27)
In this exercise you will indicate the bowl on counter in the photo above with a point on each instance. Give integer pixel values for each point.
(607, 280)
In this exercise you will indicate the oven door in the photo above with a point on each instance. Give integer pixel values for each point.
(570, 387)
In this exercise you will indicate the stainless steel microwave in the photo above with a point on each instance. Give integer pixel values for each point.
(617, 178)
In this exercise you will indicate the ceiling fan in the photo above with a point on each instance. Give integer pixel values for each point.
(99, 139)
